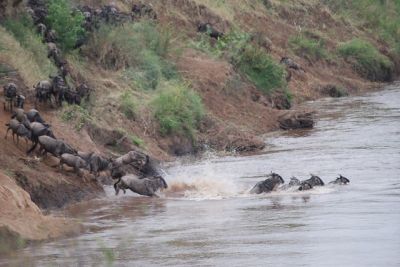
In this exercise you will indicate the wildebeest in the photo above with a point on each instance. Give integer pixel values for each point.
(41, 29)
(96, 162)
(290, 63)
(20, 101)
(38, 129)
(144, 186)
(310, 183)
(19, 115)
(83, 91)
(73, 161)
(268, 185)
(34, 115)
(293, 182)
(18, 129)
(341, 180)
(10, 93)
(134, 158)
(210, 30)
(43, 92)
(54, 146)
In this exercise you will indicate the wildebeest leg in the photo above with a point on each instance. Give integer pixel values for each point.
(8, 129)
(13, 137)
(78, 171)
(124, 190)
(33, 147)
(17, 139)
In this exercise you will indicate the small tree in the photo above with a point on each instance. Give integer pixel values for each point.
(66, 23)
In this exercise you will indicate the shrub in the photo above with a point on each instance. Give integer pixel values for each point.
(249, 59)
(261, 69)
(367, 60)
(128, 105)
(136, 140)
(178, 109)
(305, 47)
(77, 114)
(66, 23)
(139, 49)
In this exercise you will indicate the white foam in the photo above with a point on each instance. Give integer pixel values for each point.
(207, 181)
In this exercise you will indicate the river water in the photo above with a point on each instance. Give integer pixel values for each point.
(207, 218)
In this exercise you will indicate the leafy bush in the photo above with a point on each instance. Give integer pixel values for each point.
(66, 23)
(139, 49)
(367, 60)
(128, 105)
(305, 47)
(250, 60)
(261, 69)
(178, 109)
(77, 114)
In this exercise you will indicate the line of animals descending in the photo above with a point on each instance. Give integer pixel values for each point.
(135, 170)
(275, 181)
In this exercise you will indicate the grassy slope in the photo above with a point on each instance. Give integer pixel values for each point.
(308, 31)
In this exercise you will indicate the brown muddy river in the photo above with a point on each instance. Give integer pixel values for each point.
(208, 218)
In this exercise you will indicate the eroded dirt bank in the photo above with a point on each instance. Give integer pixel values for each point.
(21, 219)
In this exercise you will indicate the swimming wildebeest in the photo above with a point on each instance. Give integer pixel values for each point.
(293, 182)
(310, 183)
(18, 129)
(73, 161)
(268, 185)
(54, 146)
(341, 180)
(145, 186)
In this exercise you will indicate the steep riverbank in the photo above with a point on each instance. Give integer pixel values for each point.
(207, 218)
(124, 111)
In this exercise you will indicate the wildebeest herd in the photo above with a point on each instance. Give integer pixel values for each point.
(275, 181)
(135, 170)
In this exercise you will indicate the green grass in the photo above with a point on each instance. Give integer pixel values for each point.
(136, 140)
(381, 17)
(311, 48)
(24, 32)
(128, 105)
(178, 109)
(66, 22)
(248, 58)
(140, 50)
(367, 60)
(76, 114)
(261, 69)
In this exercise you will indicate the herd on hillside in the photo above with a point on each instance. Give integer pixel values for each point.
(135, 170)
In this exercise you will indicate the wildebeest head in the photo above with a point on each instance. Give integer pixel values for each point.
(276, 177)
(294, 181)
(116, 172)
(316, 180)
(341, 180)
(305, 186)
(139, 159)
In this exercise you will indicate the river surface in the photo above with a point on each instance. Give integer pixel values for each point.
(207, 218)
